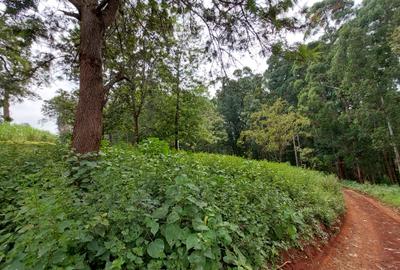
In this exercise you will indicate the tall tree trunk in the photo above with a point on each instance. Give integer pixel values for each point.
(94, 19)
(136, 127)
(340, 168)
(359, 173)
(6, 107)
(389, 167)
(177, 105)
(299, 148)
(177, 116)
(391, 134)
(295, 151)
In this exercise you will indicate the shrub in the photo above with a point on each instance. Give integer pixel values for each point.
(154, 146)
(144, 210)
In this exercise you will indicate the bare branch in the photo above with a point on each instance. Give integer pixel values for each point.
(109, 11)
(5, 65)
(76, 3)
(102, 5)
(71, 14)
(114, 79)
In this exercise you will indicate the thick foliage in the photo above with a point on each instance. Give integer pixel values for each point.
(389, 194)
(142, 209)
(24, 133)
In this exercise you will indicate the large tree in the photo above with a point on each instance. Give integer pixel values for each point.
(230, 25)
(236, 100)
(19, 29)
(94, 18)
(61, 108)
(135, 54)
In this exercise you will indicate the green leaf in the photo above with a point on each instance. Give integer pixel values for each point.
(224, 235)
(156, 249)
(292, 231)
(117, 264)
(138, 251)
(192, 241)
(199, 225)
(172, 233)
(173, 217)
(161, 212)
(197, 259)
(152, 224)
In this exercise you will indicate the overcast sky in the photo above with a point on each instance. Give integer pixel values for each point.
(29, 111)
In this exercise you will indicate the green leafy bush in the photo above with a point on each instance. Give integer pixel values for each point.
(24, 133)
(154, 146)
(141, 210)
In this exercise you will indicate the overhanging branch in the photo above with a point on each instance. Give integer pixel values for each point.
(72, 14)
(76, 3)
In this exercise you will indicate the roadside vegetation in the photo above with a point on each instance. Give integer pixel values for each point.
(389, 194)
(106, 194)
(24, 133)
(150, 207)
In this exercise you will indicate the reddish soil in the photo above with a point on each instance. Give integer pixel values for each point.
(369, 239)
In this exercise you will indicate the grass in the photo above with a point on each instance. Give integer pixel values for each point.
(389, 194)
(151, 208)
(24, 133)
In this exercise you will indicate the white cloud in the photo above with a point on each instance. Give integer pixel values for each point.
(30, 111)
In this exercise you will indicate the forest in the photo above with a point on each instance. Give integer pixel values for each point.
(329, 104)
(171, 154)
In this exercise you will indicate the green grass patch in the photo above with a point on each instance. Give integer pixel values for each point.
(139, 208)
(24, 133)
(389, 194)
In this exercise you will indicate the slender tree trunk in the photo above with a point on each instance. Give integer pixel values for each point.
(177, 116)
(359, 173)
(6, 107)
(391, 133)
(281, 151)
(389, 167)
(136, 127)
(295, 151)
(177, 105)
(340, 168)
(299, 148)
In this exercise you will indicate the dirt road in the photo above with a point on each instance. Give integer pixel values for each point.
(369, 239)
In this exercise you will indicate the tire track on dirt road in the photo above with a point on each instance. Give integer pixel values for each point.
(369, 239)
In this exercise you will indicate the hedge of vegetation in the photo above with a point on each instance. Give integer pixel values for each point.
(389, 194)
(149, 208)
(24, 133)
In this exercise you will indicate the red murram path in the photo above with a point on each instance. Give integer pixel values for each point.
(369, 239)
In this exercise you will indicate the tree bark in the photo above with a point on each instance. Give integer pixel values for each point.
(295, 151)
(6, 107)
(299, 148)
(391, 134)
(177, 116)
(88, 124)
(391, 172)
(136, 127)
(177, 105)
(340, 168)
(359, 174)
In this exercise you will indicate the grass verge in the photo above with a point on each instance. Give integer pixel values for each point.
(24, 133)
(389, 194)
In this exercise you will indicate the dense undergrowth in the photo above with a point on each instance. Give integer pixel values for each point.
(389, 194)
(150, 208)
(24, 133)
